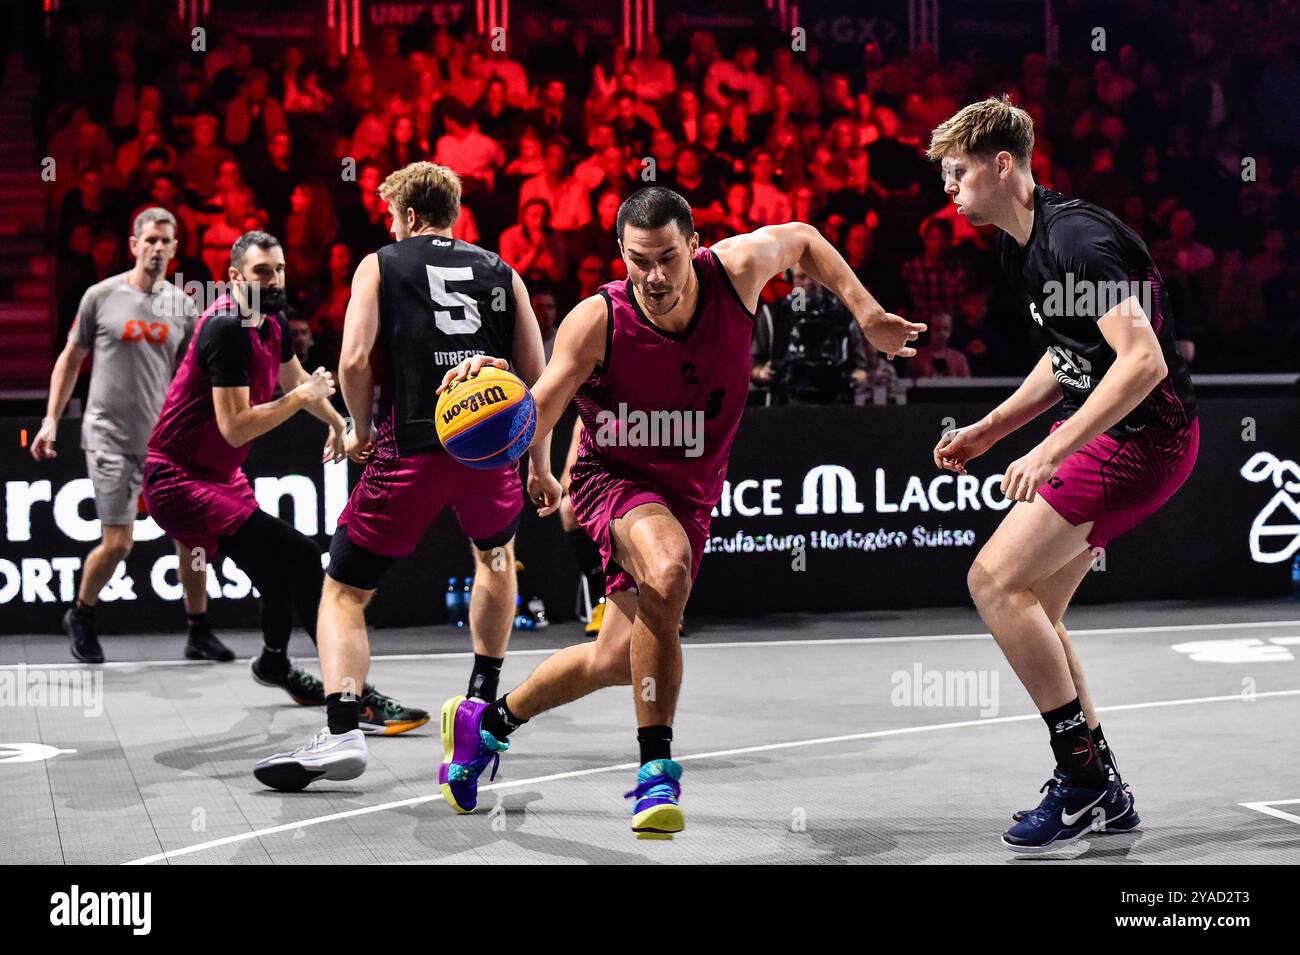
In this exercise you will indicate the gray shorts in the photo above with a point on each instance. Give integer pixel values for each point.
(116, 479)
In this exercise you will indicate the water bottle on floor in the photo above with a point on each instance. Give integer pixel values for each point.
(453, 601)
(462, 617)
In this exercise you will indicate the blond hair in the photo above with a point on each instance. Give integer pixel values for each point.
(433, 191)
(985, 129)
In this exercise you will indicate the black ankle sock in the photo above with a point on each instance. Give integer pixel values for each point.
(198, 622)
(1072, 745)
(483, 678)
(342, 711)
(274, 662)
(82, 609)
(499, 721)
(656, 742)
(1103, 748)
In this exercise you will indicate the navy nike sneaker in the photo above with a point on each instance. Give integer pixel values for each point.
(1120, 805)
(1066, 813)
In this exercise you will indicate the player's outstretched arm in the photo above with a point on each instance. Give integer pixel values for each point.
(752, 259)
(579, 347)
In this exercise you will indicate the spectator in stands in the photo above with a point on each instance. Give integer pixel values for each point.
(253, 116)
(532, 247)
(363, 216)
(475, 157)
(703, 194)
(597, 236)
(771, 205)
(937, 358)
(497, 117)
(933, 282)
(544, 307)
(986, 352)
(200, 164)
(273, 179)
(562, 192)
(309, 352)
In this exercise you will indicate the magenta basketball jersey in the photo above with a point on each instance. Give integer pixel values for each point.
(665, 407)
(187, 434)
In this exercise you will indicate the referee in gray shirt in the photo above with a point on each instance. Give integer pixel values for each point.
(137, 324)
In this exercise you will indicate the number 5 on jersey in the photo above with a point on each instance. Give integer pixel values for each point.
(446, 302)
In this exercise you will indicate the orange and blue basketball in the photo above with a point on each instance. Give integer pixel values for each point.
(486, 421)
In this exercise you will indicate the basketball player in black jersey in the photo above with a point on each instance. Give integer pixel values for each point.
(429, 302)
(1125, 440)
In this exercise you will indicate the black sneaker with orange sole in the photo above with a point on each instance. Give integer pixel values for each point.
(380, 715)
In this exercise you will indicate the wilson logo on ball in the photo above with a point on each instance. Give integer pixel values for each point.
(488, 396)
(486, 421)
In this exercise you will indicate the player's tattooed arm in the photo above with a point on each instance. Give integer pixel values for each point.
(751, 260)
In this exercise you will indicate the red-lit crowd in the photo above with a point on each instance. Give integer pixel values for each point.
(1186, 126)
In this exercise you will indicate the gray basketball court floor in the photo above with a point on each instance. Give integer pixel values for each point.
(887, 737)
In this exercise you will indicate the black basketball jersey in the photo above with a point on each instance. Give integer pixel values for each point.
(1079, 263)
(441, 301)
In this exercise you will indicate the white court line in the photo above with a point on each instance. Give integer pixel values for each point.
(1267, 808)
(687, 644)
(794, 744)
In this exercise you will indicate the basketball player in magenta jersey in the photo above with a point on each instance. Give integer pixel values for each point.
(673, 337)
(1126, 441)
(425, 301)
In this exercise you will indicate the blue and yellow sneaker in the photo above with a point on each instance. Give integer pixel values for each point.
(467, 748)
(655, 813)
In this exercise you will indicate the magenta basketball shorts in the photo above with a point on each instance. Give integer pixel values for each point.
(599, 498)
(398, 497)
(196, 511)
(1119, 484)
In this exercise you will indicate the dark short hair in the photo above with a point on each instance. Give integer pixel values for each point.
(653, 208)
(263, 240)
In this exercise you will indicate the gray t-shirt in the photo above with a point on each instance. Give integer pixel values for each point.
(136, 338)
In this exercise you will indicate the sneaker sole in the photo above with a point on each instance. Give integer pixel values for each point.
(448, 726)
(660, 822)
(1052, 846)
(291, 776)
(391, 729)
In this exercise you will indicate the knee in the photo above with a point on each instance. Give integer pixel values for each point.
(667, 579)
(343, 595)
(116, 549)
(983, 586)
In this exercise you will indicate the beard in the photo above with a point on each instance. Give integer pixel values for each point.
(268, 300)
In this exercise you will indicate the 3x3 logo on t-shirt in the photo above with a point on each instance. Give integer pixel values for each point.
(155, 333)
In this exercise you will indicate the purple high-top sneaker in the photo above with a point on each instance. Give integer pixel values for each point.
(467, 749)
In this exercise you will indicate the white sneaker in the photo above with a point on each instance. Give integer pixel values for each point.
(325, 756)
